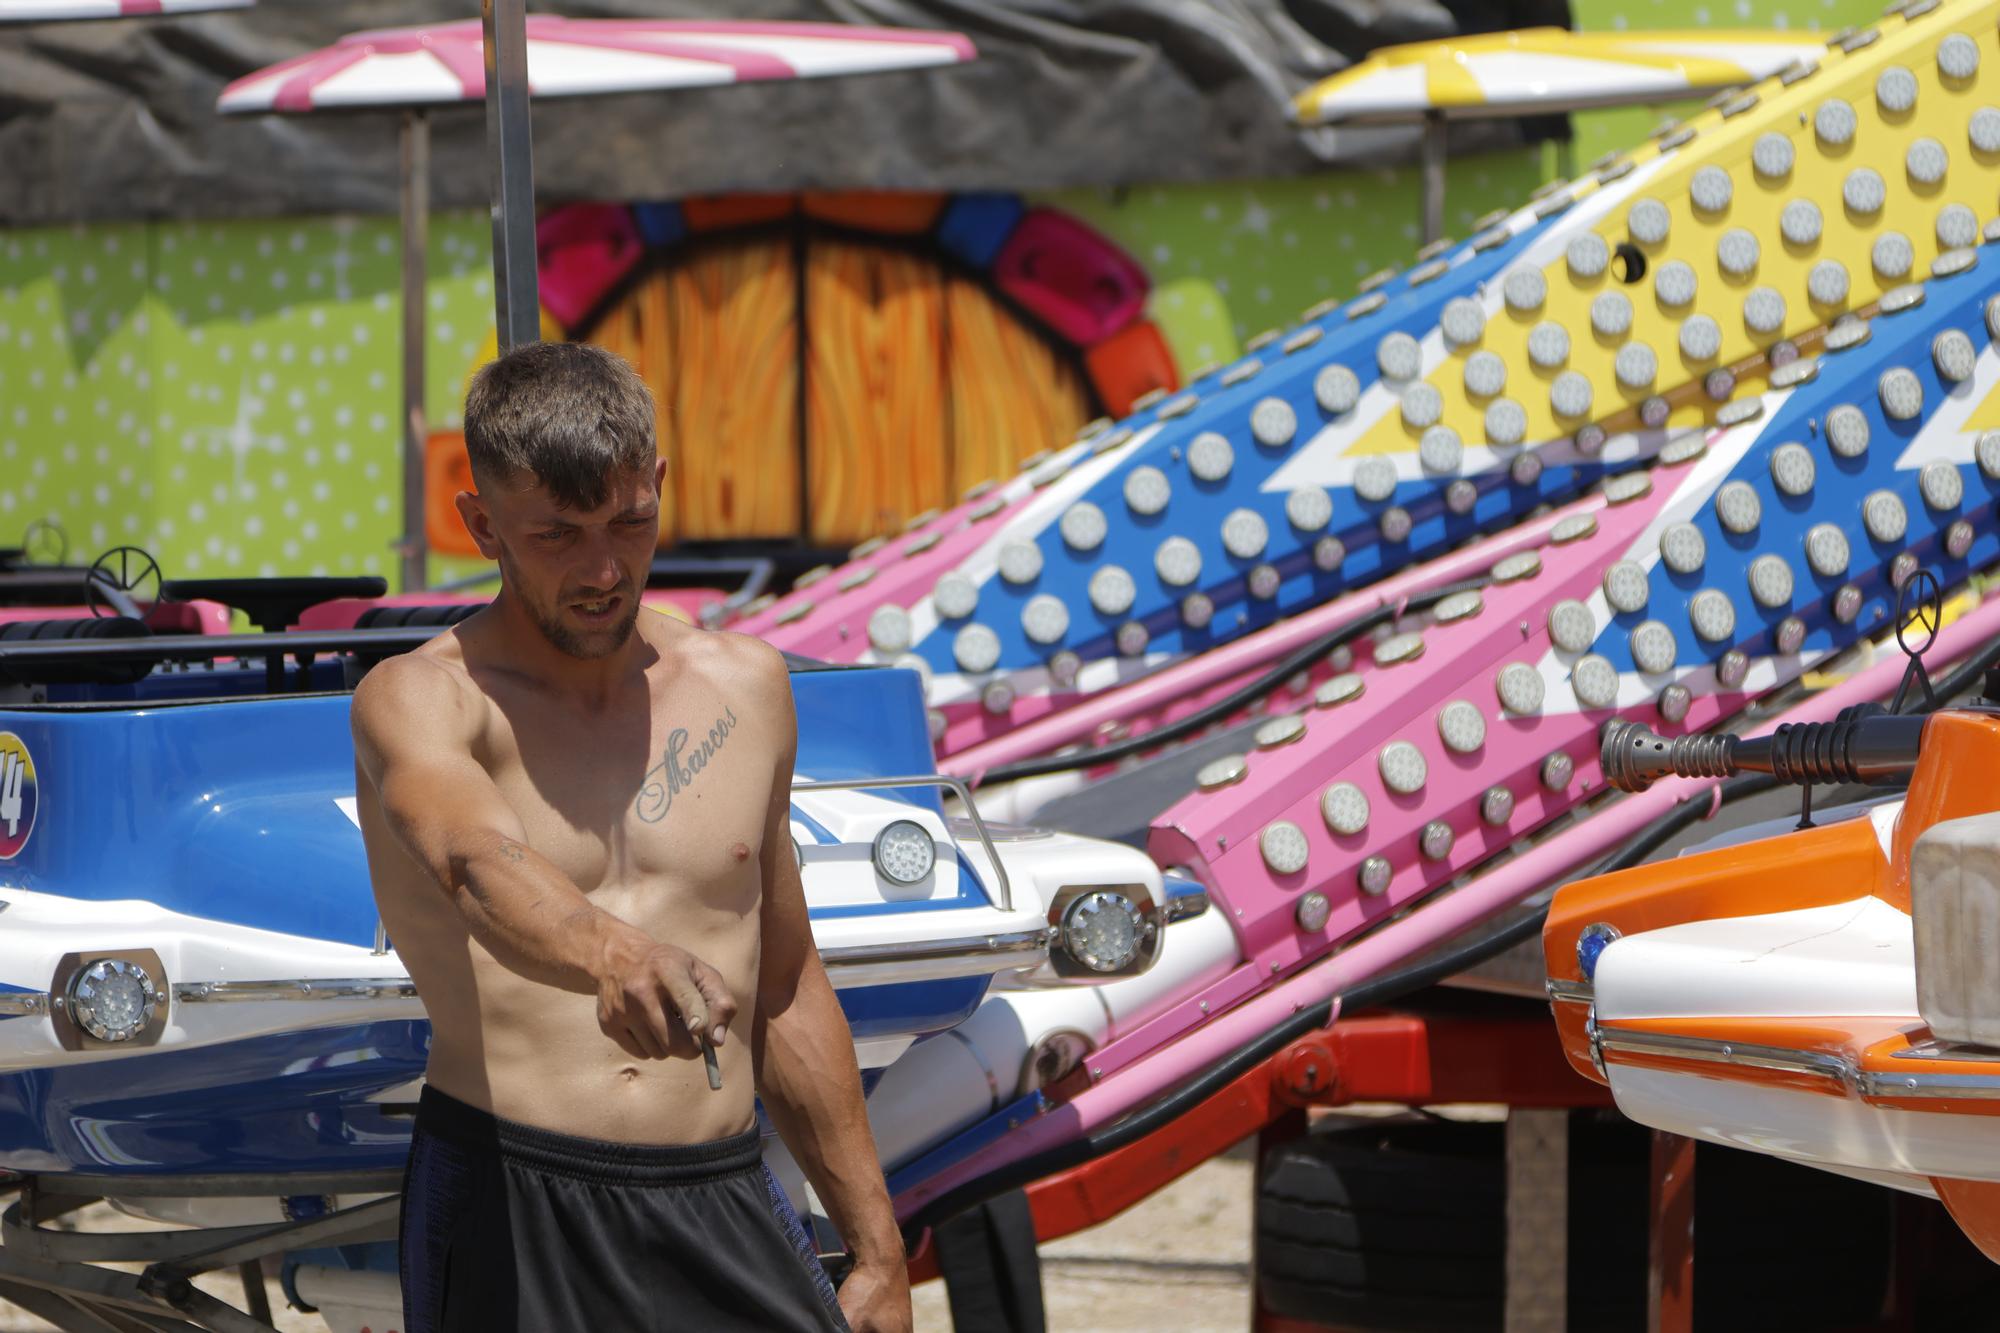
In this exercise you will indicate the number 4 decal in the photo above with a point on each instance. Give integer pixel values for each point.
(12, 770)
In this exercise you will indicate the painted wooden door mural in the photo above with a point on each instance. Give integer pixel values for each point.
(824, 385)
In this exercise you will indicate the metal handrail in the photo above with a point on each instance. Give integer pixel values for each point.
(1006, 903)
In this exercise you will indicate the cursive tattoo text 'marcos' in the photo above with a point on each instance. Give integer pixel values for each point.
(672, 775)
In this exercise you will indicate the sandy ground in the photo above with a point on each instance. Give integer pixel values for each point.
(1179, 1260)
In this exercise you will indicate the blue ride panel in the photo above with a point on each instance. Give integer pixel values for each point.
(224, 811)
(1849, 481)
(912, 1007)
(1195, 506)
(296, 1103)
(975, 226)
(661, 224)
(863, 723)
(228, 811)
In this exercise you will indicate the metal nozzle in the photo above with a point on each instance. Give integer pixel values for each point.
(1862, 745)
(1634, 757)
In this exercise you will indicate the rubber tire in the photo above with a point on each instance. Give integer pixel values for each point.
(1402, 1227)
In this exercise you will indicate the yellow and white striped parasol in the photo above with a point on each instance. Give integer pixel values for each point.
(1546, 70)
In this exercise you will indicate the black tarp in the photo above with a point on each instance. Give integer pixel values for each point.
(109, 120)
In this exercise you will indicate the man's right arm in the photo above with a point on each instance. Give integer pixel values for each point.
(414, 730)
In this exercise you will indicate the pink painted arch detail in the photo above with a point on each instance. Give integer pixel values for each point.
(443, 63)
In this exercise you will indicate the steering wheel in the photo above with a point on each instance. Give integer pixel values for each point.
(44, 543)
(1919, 605)
(114, 577)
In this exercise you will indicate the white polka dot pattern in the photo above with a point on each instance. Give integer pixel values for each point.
(955, 596)
(1826, 550)
(1884, 516)
(1399, 356)
(1210, 457)
(1770, 581)
(1525, 289)
(1112, 590)
(1682, 548)
(1520, 688)
(1485, 374)
(1020, 562)
(1571, 626)
(1653, 647)
(1710, 189)
(1834, 122)
(1800, 222)
(1626, 586)
(1895, 90)
(1375, 478)
(976, 648)
(1344, 807)
(1506, 422)
(1336, 389)
(1461, 727)
(1771, 156)
(1177, 561)
(1402, 767)
(1847, 431)
(1273, 423)
(1674, 283)
(1611, 314)
(1309, 508)
(1147, 490)
(1044, 618)
(1649, 221)
(1792, 469)
(1440, 451)
(1548, 344)
(1284, 847)
(1713, 616)
(1245, 534)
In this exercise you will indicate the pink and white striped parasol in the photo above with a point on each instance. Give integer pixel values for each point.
(573, 57)
(47, 11)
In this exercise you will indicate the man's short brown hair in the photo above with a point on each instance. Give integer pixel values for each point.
(570, 414)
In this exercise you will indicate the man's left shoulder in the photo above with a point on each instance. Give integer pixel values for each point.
(749, 662)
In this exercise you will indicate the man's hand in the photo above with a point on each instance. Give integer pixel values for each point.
(876, 1298)
(655, 1000)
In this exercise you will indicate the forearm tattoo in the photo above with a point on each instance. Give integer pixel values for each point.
(677, 770)
(512, 851)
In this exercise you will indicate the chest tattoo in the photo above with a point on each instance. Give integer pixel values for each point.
(684, 761)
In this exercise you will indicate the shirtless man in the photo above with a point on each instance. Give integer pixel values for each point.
(579, 910)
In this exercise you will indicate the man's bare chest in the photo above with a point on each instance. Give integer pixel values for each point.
(680, 791)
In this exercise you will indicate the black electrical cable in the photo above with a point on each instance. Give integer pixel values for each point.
(1382, 989)
(1236, 700)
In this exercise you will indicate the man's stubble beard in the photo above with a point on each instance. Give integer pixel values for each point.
(560, 636)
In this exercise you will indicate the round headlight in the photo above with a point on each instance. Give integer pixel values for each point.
(904, 852)
(1103, 931)
(113, 1000)
(1591, 943)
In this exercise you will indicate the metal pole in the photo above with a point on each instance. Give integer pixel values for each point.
(1670, 1257)
(416, 243)
(1434, 135)
(516, 304)
(1537, 1252)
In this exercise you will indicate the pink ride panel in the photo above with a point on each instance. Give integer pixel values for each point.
(581, 253)
(1074, 280)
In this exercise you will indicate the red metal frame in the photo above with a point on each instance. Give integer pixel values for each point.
(1417, 1056)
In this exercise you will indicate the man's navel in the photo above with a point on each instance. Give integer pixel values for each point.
(628, 1074)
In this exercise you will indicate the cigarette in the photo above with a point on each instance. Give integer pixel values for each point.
(714, 1069)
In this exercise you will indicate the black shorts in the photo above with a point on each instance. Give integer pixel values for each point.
(510, 1227)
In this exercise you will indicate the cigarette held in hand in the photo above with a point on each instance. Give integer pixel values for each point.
(714, 1069)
